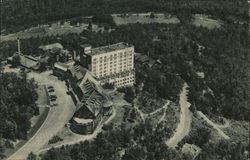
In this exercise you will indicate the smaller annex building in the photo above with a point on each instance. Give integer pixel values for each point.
(92, 106)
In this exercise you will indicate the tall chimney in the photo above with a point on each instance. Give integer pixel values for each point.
(74, 55)
(18, 46)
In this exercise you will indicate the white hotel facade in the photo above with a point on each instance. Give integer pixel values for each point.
(111, 64)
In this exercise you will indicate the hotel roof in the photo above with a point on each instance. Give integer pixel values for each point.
(109, 48)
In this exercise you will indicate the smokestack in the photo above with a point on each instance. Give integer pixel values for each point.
(74, 55)
(18, 46)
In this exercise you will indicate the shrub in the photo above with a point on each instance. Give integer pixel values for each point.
(55, 139)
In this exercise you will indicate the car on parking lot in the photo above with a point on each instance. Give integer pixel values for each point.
(53, 96)
(52, 99)
(50, 87)
(51, 90)
(52, 104)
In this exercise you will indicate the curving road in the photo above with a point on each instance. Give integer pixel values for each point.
(58, 116)
(183, 127)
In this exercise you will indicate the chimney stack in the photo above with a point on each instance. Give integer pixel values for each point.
(18, 46)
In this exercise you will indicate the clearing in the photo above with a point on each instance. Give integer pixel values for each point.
(205, 21)
(122, 19)
(49, 30)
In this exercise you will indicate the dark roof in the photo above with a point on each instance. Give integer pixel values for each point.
(88, 89)
(91, 97)
(141, 58)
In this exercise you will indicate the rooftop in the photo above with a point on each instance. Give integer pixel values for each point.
(29, 62)
(61, 66)
(109, 48)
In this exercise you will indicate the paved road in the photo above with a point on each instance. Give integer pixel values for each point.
(215, 126)
(183, 127)
(56, 119)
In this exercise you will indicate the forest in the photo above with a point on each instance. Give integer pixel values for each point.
(17, 15)
(224, 61)
(140, 142)
(17, 106)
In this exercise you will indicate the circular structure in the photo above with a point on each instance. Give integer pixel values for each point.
(107, 108)
(82, 126)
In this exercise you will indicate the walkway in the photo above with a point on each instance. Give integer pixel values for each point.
(215, 126)
(164, 114)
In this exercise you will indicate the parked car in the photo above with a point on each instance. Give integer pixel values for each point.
(53, 104)
(50, 87)
(52, 99)
(51, 90)
(53, 96)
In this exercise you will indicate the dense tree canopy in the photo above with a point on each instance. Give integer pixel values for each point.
(17, 105)
(140, 143)
(18, 14)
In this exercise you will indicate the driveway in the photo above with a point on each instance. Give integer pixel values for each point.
(56, 119)
(183, 127)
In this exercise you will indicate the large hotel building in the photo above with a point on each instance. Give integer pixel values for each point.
(110, 64)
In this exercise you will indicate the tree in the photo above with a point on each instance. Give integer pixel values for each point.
(32, 156)
(90, 27)
(16, 60)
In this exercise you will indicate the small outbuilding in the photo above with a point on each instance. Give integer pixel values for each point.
(60, 69)
(191, 150)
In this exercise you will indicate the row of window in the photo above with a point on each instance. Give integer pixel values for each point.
(120, 62)
(115, 60)
(118, 69)
(125, 64)
(126, 54)
(124, 83)
(105, 73)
